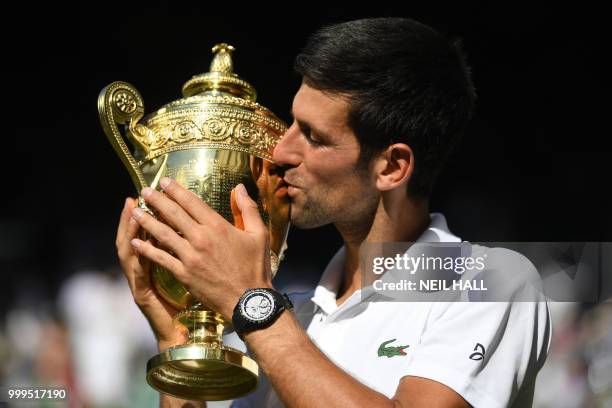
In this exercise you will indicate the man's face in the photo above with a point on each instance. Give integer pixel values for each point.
(319, 153)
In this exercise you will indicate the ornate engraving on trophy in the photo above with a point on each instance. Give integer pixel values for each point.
(211, 140)
(125, 102)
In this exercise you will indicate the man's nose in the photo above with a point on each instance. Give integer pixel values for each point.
(287, 151)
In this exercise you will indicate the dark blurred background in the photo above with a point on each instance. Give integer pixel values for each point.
(534, 164)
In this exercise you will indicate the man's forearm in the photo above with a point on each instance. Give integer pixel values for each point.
(301, 374)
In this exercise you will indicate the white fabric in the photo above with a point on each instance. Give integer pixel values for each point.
(441, 337)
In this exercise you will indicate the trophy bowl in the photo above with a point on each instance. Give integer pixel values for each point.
(209, 141)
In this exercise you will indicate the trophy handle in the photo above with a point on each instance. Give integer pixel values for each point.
(121, 103)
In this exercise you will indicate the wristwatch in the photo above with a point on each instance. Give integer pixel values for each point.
(258, 308)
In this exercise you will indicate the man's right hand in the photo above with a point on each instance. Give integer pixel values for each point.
(158, 312)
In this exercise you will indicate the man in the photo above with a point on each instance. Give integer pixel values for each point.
(380, 107)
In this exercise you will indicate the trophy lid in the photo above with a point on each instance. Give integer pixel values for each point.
(221, 77)
(218, 111)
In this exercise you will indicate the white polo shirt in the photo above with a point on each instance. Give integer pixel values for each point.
(488, 352)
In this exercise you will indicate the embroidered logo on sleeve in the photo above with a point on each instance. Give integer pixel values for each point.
(479, 352)
(391, 351)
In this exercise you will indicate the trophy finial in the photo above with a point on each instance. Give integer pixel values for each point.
(221, 77)
(222, 61)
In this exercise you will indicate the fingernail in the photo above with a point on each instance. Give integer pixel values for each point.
(164, 182)
(241, 190)
(146, 192)
(135, 243)
(127, 202)
(137, 213)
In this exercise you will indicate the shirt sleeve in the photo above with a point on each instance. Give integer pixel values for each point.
(487, 352)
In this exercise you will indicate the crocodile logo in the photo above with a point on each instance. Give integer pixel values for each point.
(391, 351)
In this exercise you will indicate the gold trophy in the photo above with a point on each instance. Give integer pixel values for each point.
(211, 140)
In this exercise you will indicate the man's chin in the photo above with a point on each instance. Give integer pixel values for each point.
(303, 226)
(305, 222)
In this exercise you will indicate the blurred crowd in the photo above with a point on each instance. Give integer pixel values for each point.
(578, 370)
(93, 340)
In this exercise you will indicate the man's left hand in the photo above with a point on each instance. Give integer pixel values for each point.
(215, 260)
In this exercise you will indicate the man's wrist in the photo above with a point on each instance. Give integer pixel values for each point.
(283, 318)
(258, 308)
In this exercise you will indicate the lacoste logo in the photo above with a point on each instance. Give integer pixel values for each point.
(391, 351)
(479, 352)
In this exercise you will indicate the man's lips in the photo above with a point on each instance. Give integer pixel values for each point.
(280, 184)
(289, 184)
(280, 187)
(291, 188)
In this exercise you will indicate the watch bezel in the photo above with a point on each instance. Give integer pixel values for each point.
(258, 292)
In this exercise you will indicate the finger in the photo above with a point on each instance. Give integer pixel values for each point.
(194, 205)
(127, 230)
(238, 222)
(135, 268)
(249, 211)
(160, 257)
(169, 210)
(140, 272)
(136, 273)
(124, 249)
(126, 214)
(165, 235)
(133, 229)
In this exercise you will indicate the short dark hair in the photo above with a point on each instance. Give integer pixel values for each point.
(405, 82)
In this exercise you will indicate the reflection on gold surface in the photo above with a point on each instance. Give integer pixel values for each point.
(211, 140)
(275, 202)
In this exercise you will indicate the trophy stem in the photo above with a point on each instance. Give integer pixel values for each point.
(204, 325)
(203, 368)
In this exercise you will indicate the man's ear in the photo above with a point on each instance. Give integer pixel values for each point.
(394, 167)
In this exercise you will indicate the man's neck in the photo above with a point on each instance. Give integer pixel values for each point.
(399, 220)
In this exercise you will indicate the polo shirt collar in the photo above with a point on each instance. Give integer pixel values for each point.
(326, 292)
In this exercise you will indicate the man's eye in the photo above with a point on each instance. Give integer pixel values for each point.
(308, 135)
(312, 141)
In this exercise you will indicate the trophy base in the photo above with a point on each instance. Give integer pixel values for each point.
(201, 372)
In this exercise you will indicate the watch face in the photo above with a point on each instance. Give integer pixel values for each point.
(257, 306)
